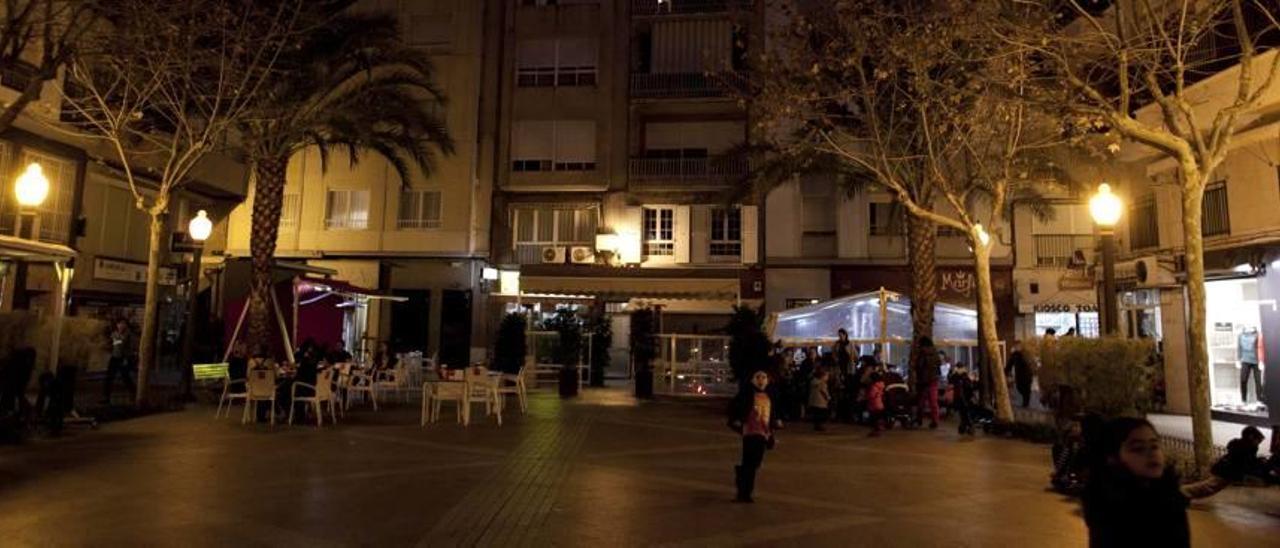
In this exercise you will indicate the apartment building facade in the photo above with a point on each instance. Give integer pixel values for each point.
(422, 242)
(615, 165)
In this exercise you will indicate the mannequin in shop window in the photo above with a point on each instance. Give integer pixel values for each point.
(1247, 353)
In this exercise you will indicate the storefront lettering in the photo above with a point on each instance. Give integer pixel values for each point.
(1065, 308)
(958, 281)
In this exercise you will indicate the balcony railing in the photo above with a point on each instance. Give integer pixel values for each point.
(683, 85)
(1057, 250)
(649, 8)
(677, 172)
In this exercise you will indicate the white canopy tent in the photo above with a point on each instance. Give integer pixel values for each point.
(878, 318)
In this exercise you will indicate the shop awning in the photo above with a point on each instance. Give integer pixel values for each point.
(31, 251)
(614, 289)
(343, 288)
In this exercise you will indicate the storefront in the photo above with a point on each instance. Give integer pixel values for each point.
(1065, 319)
(1233, 327)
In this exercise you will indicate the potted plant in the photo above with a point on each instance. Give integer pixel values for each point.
(511, 345)
(644, 348)
(748, 345)
(601, 340)
(568, 349)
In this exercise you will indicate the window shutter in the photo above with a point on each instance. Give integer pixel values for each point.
(532, 140)
(680, 230)
(750, 250)
(575, 141)
(576, 53)
(699, 234)
(536, 54)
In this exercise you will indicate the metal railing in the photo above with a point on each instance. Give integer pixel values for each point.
(695, 365)
(677, 7)
(679, 171)
(1057, 250)
(686, 85)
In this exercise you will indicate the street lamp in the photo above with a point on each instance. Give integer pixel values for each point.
(198, 229)
(1105, 208)
(31, 188)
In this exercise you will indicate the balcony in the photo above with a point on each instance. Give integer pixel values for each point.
(681, 173)
(689, 85)
(1059, 250)
(655, 8)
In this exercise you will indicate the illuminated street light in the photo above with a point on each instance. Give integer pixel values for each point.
(200, 226)
(32, 187)
(1105, 208)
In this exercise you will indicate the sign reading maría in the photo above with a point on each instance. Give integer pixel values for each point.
(961, 282)
(121, 271)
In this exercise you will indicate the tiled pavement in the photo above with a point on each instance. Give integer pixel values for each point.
(600, 471)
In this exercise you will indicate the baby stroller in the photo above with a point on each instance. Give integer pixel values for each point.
(897, 405)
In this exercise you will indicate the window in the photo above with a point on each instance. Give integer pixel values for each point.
(1215, 215)
(545, 145)
(659, 232)
(419, 209)
(818, 216)
(348, 209)
(55, 211)
(885, 219)
(556, 62)
(536, 227)
(430, 23)
(1144, 229)
(726, 232)
(290, 210)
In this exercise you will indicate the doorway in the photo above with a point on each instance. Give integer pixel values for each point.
(455, 327)
(411, 320)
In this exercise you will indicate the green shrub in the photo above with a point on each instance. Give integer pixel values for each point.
(601, 328)
(568, 349)
(644, 348)
(1108, 376)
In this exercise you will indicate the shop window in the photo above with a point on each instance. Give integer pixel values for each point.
(726, 232)
(419, 209)
(347, 210)
(659, 232)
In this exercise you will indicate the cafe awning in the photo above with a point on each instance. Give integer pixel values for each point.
(19, 249)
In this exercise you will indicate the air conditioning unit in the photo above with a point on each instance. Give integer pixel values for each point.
(1150, 272)
(582, 254)
(553, 254)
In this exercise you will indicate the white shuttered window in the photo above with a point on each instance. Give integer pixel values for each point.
(544, 145)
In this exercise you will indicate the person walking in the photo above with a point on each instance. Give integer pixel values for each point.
(751, 415)
(819, 399)
(121, 354)
(1020, 369)
(961, 396)
(1134, 498)
(928, 368)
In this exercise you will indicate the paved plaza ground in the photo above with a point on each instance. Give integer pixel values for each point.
(598, 471)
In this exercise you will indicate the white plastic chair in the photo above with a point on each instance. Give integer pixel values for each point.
(515, 384)
(260, 387)
(361, 383)
(396, 379)
(230, 398)
(480, 387)
(322, 393)
(436, 391)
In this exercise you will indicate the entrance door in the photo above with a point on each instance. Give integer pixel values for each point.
(620, 351)
(410, 320)
(455, 328)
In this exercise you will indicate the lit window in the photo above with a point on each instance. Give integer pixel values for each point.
(726, 232)
(659, 232)
(348, 210)
(419, 209)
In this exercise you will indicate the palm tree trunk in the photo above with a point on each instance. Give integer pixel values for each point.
(151, 304)
(990, 339)
(268, 201)
(922, 243)
(1197, 345)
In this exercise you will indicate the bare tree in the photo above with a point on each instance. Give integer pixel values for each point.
(1130, 72)
(38, 38)
(918, 97)
(162, 85)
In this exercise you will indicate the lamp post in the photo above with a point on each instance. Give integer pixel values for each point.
(198, 229)
(31, 188)
(1105, 208)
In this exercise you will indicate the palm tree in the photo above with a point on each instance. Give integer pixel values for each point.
(351, 86)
